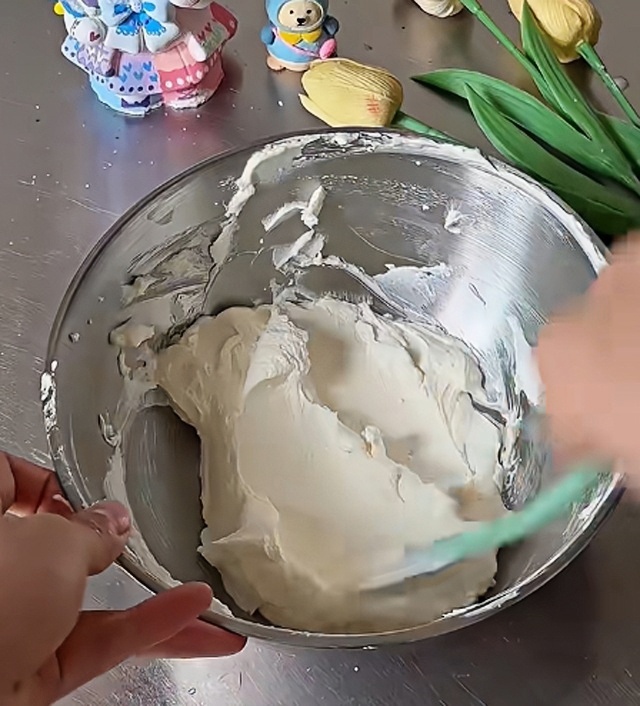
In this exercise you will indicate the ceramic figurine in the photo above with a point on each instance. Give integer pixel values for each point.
(141, 55)
(299, 32)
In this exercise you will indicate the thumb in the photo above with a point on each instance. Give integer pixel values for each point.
(102, 532)
(49, 558)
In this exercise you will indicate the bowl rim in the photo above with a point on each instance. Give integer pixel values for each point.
(454, 620)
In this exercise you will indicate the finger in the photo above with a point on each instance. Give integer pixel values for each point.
(102, 532)
(566, 456)
(198, 639)
(34, 485)
(561, 366)
(7, 484)
(101, 640)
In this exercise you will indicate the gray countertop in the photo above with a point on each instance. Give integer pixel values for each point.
(70, 167)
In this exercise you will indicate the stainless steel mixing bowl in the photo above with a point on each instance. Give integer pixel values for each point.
(500, 248)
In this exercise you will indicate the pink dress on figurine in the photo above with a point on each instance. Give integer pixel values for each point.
(191, 70)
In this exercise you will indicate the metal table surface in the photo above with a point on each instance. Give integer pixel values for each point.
(70, 167)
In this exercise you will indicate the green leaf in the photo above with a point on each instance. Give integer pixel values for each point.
(535, 117)
(606, 211)
(407, 122)
(555, 86)
(560, 92)
(626, 135)
(558, 89)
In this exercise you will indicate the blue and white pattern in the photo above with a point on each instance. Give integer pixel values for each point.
(139, 25)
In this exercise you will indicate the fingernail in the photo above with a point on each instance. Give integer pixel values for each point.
(117, 515)
(62, 501)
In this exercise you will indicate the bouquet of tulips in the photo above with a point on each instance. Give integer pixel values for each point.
(590, 159)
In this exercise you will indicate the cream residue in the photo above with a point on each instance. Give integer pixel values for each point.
(333, 440)
(455, 219)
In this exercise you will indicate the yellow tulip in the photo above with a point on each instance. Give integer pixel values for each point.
(569, 23)
(344, 93)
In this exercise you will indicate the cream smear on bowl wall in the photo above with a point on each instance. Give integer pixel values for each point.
(338, 430)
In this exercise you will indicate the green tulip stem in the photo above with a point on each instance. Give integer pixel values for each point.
(476, 9)
(591, 56)
(406, 122)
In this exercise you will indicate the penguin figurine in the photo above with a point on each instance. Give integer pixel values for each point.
(299, 32)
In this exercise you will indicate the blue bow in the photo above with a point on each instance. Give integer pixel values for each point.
(121, 13)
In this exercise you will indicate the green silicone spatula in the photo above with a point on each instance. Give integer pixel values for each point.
(549, 505)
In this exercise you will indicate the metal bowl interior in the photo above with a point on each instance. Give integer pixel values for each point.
(514, 251)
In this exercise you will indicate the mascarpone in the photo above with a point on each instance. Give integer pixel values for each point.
(334, 440)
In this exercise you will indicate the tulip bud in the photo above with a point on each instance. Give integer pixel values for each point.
(440, 8)
(568, 23)
(344, 93)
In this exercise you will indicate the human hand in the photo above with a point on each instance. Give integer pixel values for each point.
(48, 647)
(589, 359)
